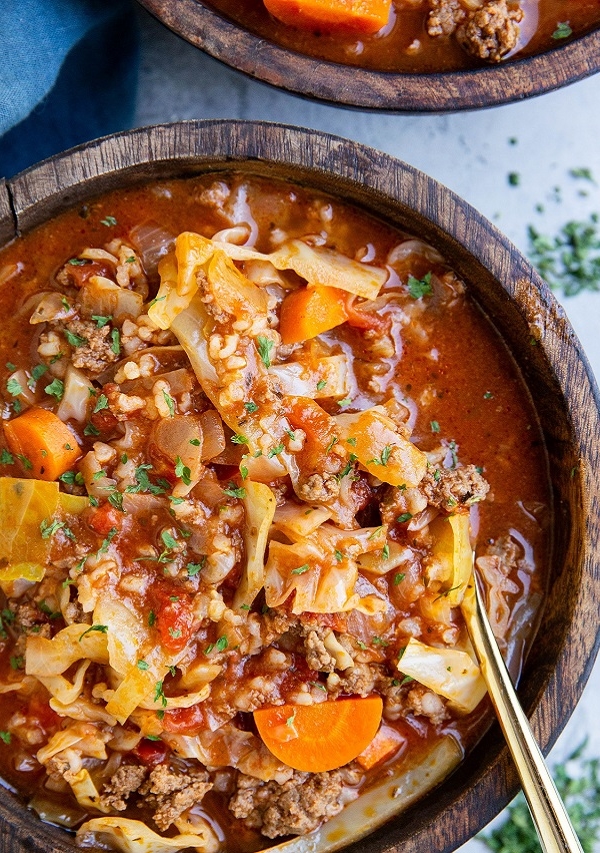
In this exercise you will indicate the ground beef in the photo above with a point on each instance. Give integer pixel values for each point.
(444, 17)
(125, 781)
(319, 488)
(360, 679)
(294, 808)
(448, 488)
(491, 31)
(425, 703)
(28, 619)
(171, 791)
(317, 656)
(96, 353)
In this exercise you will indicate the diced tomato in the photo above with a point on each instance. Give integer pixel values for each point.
(104, 420)
(104, 518)
(306, 414)
(151, 752)
(185, 721)
(79, 273)
(174, 621)
(361, 319)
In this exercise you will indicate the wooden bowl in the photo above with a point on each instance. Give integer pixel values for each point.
(335, 83)
(524, 311)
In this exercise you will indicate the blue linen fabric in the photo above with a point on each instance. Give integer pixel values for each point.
(68, 73)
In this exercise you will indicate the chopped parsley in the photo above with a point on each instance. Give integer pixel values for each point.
(418, 287)
(333, 441)
(101, 629)
(55, 389)
(109, 221)
(321, 384)
(159, 695)
(90, 429)
(251, 407)
(6, 737)
(275, 451)
(48, 528)
(13, 387)
(233, 492)
(398, 578)
(385, 552)
(406, 516)
(194, 568)
(116, 341)
(182, 471)
(170, 403)
(562, 31)
(301, 569)
(75, 340)
(144, 483)
(25, 462)
(514, 179)
(383, 457)
(101, 403)
(239, 439)
(265, 345)
(101, 320)
(338, 555)
(6, 458)
(345, 402)
(143, 665)
(106, 542)
(435, 427)
(569, 261)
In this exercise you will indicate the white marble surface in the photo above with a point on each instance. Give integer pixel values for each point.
(473, 153)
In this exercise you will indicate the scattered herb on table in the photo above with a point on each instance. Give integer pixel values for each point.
(578, 782)
(570, 261)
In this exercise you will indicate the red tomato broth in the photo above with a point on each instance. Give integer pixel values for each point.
(447, 367)
(404, 44)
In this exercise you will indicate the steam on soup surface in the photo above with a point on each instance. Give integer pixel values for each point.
(251, 437)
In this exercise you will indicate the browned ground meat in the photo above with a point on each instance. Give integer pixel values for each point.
(96, 353)
(125, 781)
(448, 488)
(294, 808)
(425, 703)
(317, 656)
(171, 791)
(319, 488)
(444, 17)
(491, 31)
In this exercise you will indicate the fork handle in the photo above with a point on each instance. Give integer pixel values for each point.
(554, 828)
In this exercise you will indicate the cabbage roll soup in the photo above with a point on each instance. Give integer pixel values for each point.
(251, 440)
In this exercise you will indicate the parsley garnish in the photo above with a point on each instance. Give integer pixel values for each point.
(101, 403)
(116, 341)
(170, 403)
(239, 439)
(6, 458)
(90, 429)
(234, 492)
(321, 384)
(101, 320)
(13, 387)
(562, 31)
(383, 458)
(159, 695)
(109, 221)
(570, 261)
(275, 451)
(435, 427)
(265, 345)
(55, 389)
(101, 629)
(418, 287)
(194, 568)
(251, 407)
(182, 471)
(301, 569)
(406, 516)
(75, 340)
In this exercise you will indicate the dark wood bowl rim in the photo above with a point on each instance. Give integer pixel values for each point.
(349, 86)
(486, 781)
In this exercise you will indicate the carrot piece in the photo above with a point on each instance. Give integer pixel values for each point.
(386, 743)
(319, 737)
(41, 439)
(307, 312)
(342, 16)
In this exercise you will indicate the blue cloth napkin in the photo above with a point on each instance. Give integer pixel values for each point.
(68, 73)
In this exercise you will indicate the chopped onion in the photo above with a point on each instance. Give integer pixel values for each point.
(153, 242)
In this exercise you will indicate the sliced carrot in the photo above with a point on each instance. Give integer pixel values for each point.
(41, 440)
(386, 743)
(319, 737)
(332, 16)
(307, 312)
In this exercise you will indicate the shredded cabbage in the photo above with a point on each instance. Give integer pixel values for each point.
(259, 503)
(133, 836)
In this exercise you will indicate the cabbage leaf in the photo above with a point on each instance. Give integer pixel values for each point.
(448, 672)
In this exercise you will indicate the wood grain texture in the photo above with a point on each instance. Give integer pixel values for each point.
(339, 84)
(7, 220)
(541, 341)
